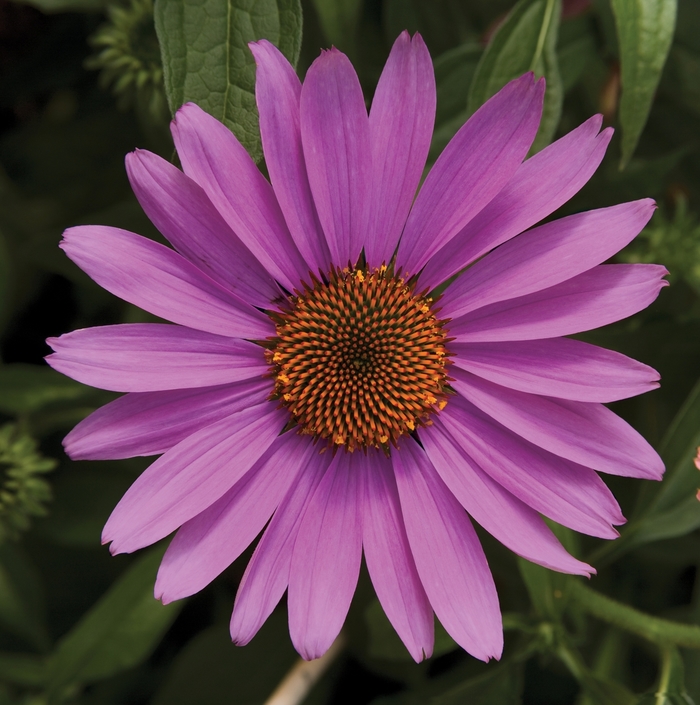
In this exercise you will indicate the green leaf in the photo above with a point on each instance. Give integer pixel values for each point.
(502, 685)
(671, 688)
(211, 670)
(6, 281)
(21, 598)
(670, 509)
(546, 588)
(645, 31)
(443, 25)
(468, 683)
(604, 691)
(677, 521)
(85, 494)
(206, 60)
(339, 20)
(384, 642)
(526, 41)
(672, 680)
(53, 6)
(576, 49)
(678, 449)
(683, 83)
(454, 71)
(22, 669)
(118, 632)
(598, 689)
(27, 388)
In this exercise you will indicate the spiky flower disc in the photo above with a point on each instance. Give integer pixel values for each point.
(360, 359)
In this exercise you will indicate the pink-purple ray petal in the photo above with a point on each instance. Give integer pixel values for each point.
(278, 92)
(150, 423)
(602, 295)
(401, 126)
(505, 517)
(180, 209)
(568, 493)
(587, 433)
(208, 543)
(190, 477)
(150, 357)
(389, 560)
(546, 256)
(326, 558)
(267, 575)
(449, 558)
(161, 281)
(540, 185)
(477, 163)
(335, 136)
(218, 162)
(557, 367)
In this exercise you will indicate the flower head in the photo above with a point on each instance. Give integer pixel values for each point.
(312, 387)
(128, 57)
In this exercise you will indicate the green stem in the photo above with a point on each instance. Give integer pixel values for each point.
(659, 631)
(546, 21)
(665, 676)
(573, 661)
(610, 551)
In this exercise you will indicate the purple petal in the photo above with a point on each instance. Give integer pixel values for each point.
(191, 476)
(540, 185)
(162, 282)
(149, 423)
(587, 433)
(390, 562)
(216, 160)
(448, 555)
(546, 256)
(505, 517)
(326, 558)
(208, 543)
(267, 575)
(401, 126)
(566, 492)
(477, 163)
(278, 91)
(335, 135)
(602, 295)
(151, 357)
(557, 367)
(180, 209)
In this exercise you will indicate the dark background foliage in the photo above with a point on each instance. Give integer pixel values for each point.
(82, 82)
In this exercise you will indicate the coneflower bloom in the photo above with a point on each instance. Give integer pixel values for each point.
(313, 388)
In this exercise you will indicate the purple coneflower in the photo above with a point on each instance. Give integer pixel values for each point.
(313, 389)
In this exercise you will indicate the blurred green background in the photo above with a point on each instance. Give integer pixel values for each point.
(82, 82)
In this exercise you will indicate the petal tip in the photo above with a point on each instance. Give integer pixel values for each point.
(421, 655)
(161, 594)
(239, 637)
(185, 111)
(578, 568)
(259, 43)
(69, 447)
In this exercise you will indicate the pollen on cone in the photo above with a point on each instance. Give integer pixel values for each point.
(360, 359)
